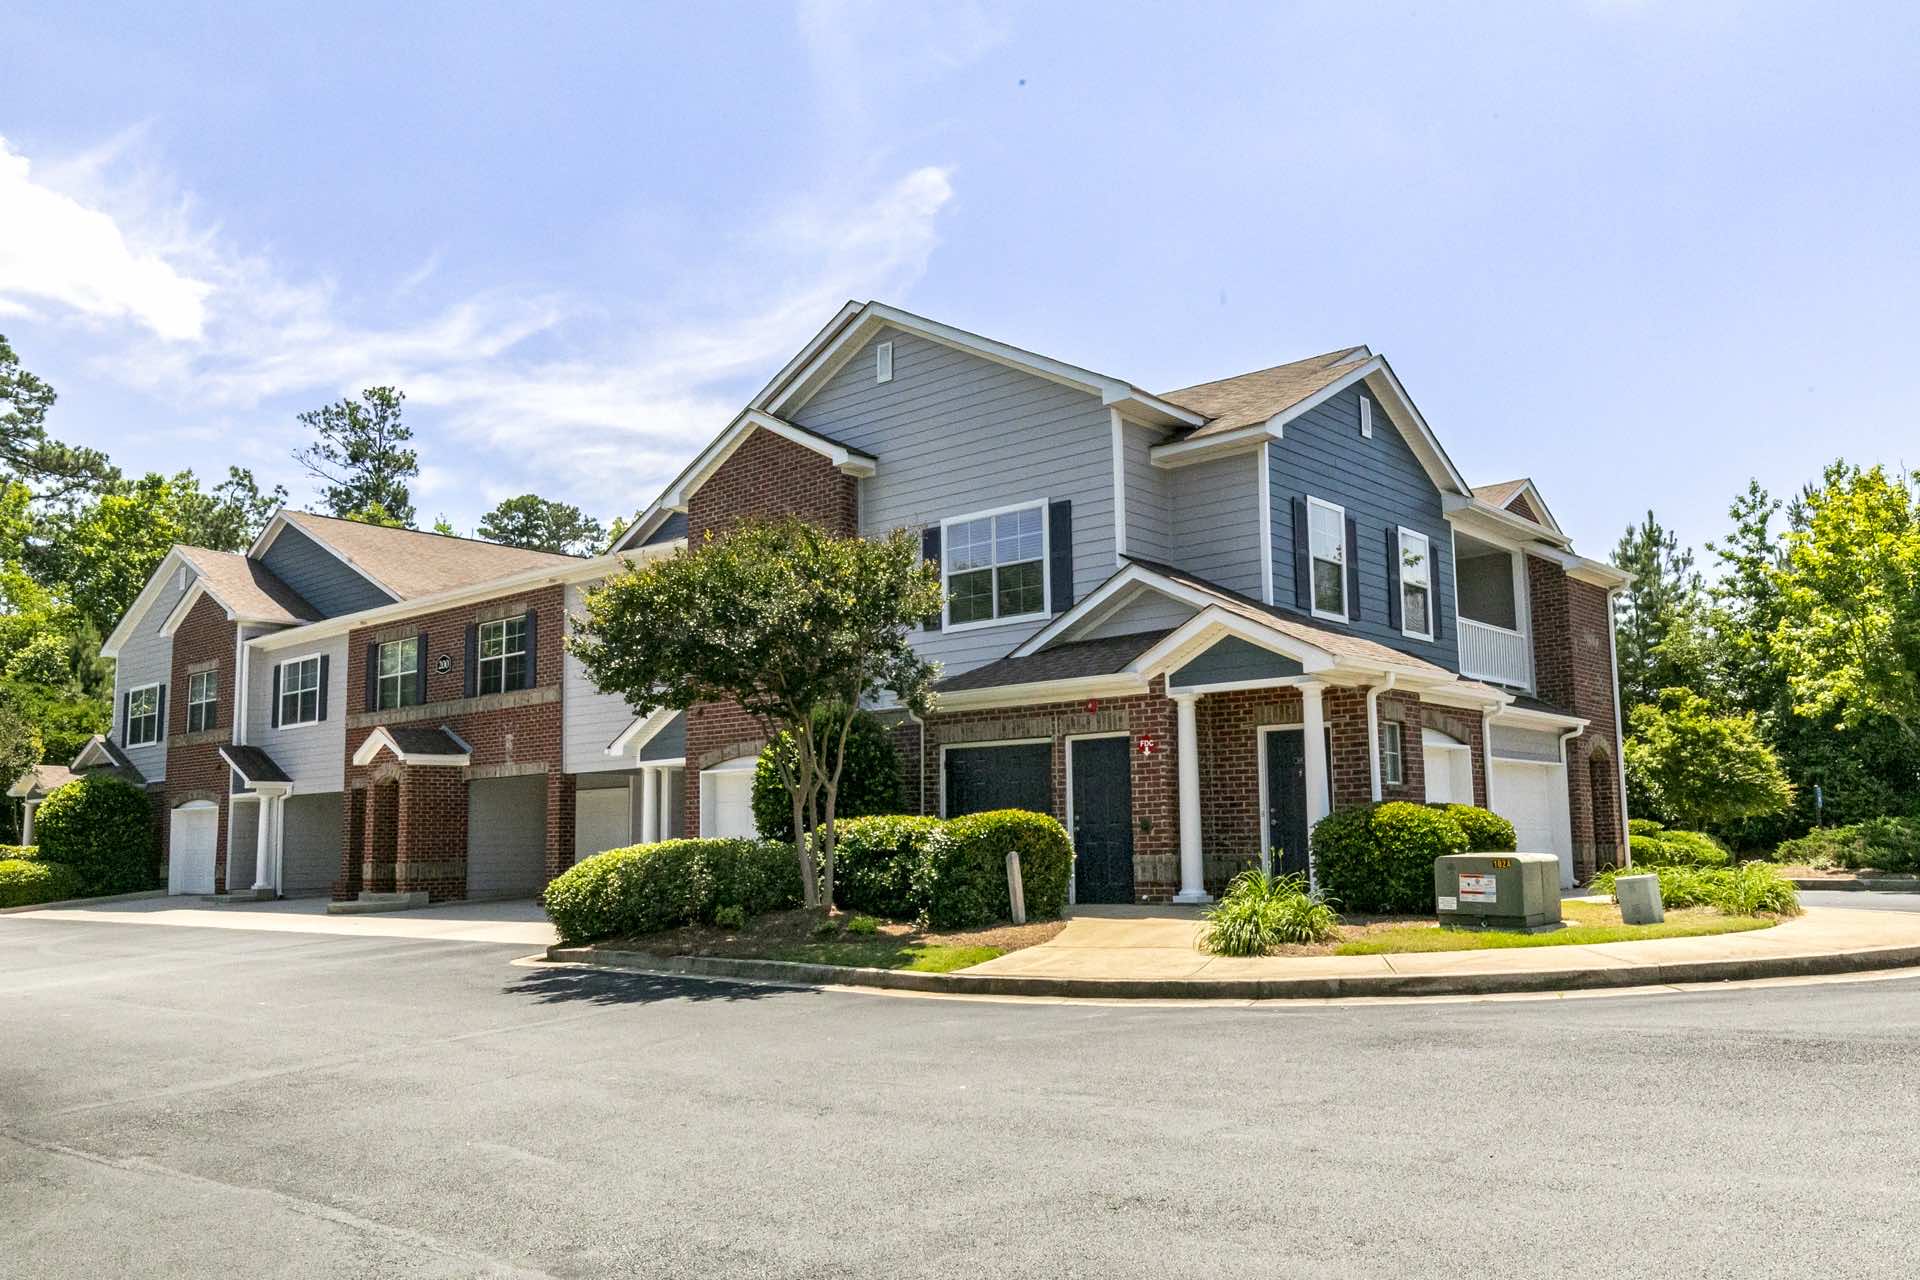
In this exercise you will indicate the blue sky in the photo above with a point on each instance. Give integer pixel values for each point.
(1638, 251)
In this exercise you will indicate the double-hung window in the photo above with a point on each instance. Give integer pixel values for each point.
(1327, 534)
(503, 655)
(399, 661)
(202, 700)
(1416, 585)
(996, 566)
(143, 716)
(1393, 758)
(300, 691)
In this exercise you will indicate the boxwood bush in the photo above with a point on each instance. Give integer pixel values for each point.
(651, 887)
(101, 826)
(885, 866)
(24, 882)
(1379, 857)
(970, 868)
(20, 852)
(1486, 831)
(1677, 849)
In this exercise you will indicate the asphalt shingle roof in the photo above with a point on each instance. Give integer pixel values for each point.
(248, 587)
(413, 564)
(253, 764)
(1059, 662)
(1250, 398)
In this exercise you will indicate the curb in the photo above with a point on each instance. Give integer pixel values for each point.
(1862, 884)
(85, 902)
(1453, 984)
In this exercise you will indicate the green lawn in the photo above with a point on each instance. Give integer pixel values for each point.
(1587, 923)
(886, 953)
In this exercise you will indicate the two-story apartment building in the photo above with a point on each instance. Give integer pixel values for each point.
(1187, 624)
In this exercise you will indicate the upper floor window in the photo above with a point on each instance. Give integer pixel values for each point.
(996, 566)
(143, 716)
(1416, 585)
(1393, 758)
(203, 700)
(300, 691)
(398, 660)
(1327, 539)
(503, 655)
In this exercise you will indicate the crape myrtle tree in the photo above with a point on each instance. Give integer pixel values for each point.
(783, 619)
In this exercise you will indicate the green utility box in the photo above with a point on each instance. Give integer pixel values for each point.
(1498, 890)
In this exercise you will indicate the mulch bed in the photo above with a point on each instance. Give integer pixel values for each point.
(793, 928)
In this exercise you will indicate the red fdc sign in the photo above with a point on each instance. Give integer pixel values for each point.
(1148, 746)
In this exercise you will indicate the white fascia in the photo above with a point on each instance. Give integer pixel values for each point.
(641, 731)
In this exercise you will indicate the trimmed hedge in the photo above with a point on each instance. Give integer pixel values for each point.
(648, 888)
(20, 852)
(1677, 849)
(885, 866)
(1885, 844)
(1485, 830)
(102, 827)
(951, 873)
(25, 882)
(1644, 827)
(1379, 857)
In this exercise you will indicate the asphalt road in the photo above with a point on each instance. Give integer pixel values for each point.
(202, 1102)
(1860, 900)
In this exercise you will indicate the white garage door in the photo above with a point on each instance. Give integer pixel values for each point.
(726, 800)
(1533, 797)
(190, 841)
(506, 836)
(602, 820)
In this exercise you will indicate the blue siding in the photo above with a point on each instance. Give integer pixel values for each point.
(1232, 659)
(1382, 485)
(674, 526)
(319, 576)
(670, 743)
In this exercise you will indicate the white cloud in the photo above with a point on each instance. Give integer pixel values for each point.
(55, 248)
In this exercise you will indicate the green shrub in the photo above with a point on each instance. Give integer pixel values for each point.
(1259, 912)
(1644, 827)
(1751, 889)
(1693, 848)
(1380, 857)
(730, 917)
(884, 866)
(1486, 831)
(19, 852)
(24, 882)
(970, 868)
(871, 780)
(863, 924)
(1885, 844)
(102, 827)
(651, 887)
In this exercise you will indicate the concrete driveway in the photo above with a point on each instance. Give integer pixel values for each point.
(522, 923)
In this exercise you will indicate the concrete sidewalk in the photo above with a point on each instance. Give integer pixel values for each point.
(520, 923)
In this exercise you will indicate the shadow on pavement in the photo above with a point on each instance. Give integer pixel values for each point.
(609, 987)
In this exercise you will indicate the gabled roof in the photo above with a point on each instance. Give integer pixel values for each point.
(243, 587)
(1520, 497)
(40, 780)
(407, 563)
(415, 744)
(254, 765)
(1250, 398)
(848, 459)
(102, 752)
(1069, 661)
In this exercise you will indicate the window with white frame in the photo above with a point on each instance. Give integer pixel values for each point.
(300, 691)
(399, 660)
(202, 700)
(996, 566)
(1416, 584)
(503, 655)
(143, 716)
(1392, 754)
(1327, 535)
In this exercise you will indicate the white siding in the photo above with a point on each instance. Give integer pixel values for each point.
(592, 718)
(1149, 506)
(313, 755)
(1216, 521)
(147, 658)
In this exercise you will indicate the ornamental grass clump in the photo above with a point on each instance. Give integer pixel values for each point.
(1753, 888)
(1259, 912)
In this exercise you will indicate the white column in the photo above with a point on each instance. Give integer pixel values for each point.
(1486, 752)
(1193, 877)
(1313, 725)
(649, 806)
(262, 844)
(26, 821)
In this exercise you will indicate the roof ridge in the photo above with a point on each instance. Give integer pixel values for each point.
(1338, 355)
(433, 533)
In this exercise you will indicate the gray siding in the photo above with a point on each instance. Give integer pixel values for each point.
(319, 576)
(1216, 521)
(1149, 499)
(955, 434)
(1381, 484)
(674, 526)
(1147, 611)
(670, 743)
(147, 658)
(1232, 659)
(313, 755)
(592, 719)
(310, 849)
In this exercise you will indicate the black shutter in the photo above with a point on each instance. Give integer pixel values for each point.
(1393, 578)
(1302, 557)
(1433, 592)
(420, 670)
(930, 552)
(163, 713)
(324, 664)
(473, 660)
(126, 714)
(1060, 552)
(373, 677)
(1353, 570)
(533, 652)
(276, 695)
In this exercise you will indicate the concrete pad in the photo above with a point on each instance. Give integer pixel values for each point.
(518, 923)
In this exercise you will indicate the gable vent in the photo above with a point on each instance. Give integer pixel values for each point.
(883, 362)
(1366, 417)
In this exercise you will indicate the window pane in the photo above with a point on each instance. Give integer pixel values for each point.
(1327, 532)
(1413, 560)
(972, 596)
(1329, 587)
(969, 545)
(1018, 536)
(1020, 589)
(516, 672)
(310, 705)
(1414, 604)
(493, 639)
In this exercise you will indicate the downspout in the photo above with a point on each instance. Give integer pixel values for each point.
(1373, 733)
(1486, 753)
(1625, 850)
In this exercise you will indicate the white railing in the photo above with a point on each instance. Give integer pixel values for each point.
(1495, 653)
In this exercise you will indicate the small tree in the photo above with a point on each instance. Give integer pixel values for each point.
(542, 524)
(360, 451)
(781, 618)
(871, 785)
(1699, 769)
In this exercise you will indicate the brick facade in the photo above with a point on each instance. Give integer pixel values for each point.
(1573, 669)
(204, 641)
(768, 476)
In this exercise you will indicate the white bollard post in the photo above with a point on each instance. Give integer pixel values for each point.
(1016, 888)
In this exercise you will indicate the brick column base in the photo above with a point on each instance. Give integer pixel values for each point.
(560, 821)
(432, 832)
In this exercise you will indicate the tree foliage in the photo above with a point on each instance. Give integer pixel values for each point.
(27, 452)
(1658, 621)
(872, 783)
(1702, 769)
(360, 452)
(541, 524)
(781, 618)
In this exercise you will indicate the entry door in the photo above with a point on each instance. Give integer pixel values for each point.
(1102, 820)
(1287, 800)
(190, 840)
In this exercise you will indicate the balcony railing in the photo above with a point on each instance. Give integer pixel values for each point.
(1495, 653)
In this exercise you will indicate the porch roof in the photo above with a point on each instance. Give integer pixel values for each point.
(253, 765)
(415, 744)
(1071, 660)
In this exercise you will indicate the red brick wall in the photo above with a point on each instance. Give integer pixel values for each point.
(1573, 669)
(716, 731)
(1468, 727)
(195, 770)
(769, 475)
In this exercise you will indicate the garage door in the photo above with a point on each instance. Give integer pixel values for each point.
(602, 820)
(1533, 797)
(1006, 777)
(726, 800)
(190, 840)
(310, 847)
(506, 836)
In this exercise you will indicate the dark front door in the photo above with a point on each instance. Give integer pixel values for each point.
(1287, 800)
(983, 778)
(1102, 820)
